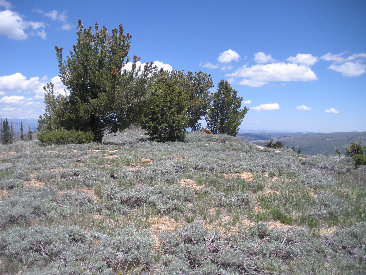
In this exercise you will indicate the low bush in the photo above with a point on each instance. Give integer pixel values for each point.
(63, 136)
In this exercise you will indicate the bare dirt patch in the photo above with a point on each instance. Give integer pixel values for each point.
(191, 184)
(134, 167)
(112, 157)
(247, 176)
(34, 182)
(146, 161)
(4, 194)
(86, 191)
(12, 153)
(325, 231)
(160, 224)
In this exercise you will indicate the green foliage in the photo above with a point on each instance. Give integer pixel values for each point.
(21, 131)
(165, 115)
(355, 148)
(55, 111)
(197, 85)
(102, 94)
(275, 145)
(63, 136)
(359, 160)
(224, 115)
(6, 134)
(29, 134)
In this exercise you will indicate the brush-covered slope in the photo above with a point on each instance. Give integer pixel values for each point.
(211, 205)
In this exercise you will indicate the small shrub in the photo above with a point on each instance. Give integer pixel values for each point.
(63, 136)
(359, 160)
(275, 145)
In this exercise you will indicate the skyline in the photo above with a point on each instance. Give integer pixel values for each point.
(299, 66)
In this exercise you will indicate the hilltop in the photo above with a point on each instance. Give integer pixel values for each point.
(214, 204)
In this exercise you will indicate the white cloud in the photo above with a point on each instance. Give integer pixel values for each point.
(5, 4)
(303, 108)
(208, 65)
(339, 58)
(247, 102)
(158, 64)
(14, 26)
(303, 59)
(18, 83)
(261, 57)
(259, 75)
(332, 111)
(55, 15)
(228, 56)
(334, 57)
(266, 107)
(349, 68)
(15, 99)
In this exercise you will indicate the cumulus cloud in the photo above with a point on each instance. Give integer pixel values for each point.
(209, 65)
(352, 65)
(15, 99)
(303, 108)
(5, 4)
(303, 58)
(332, 111)
(266, 107)
(262, 58)
(23, 97)
(259, 75)
(349, 68)
(18, 83)
(247, 102)
(14, 26)
(55, 15)
(228, 56)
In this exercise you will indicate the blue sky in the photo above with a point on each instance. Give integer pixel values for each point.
(299, 65)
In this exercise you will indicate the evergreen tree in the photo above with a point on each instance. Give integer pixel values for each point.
(224, 115)
(166, 117)
(99, 88)
(21, 131)
(29, 134)
(6, 133)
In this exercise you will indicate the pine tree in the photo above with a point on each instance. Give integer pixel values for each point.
(29, 133)
(6, 133)
(224, 115)
(21, 131)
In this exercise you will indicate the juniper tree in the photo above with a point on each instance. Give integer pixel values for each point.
(224, 115)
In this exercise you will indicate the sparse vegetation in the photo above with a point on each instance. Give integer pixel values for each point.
(214, 204)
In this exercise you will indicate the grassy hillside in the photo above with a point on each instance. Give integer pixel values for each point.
(211, 205)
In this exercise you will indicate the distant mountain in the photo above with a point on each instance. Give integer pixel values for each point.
(310, 144)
